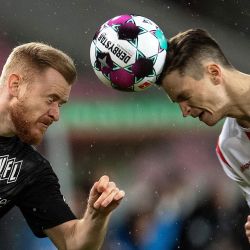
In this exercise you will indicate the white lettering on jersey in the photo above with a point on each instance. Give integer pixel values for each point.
(3, 202)
(9, 168)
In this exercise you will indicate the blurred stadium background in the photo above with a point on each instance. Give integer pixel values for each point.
(178, 196)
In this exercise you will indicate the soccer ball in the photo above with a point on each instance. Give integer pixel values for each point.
(128, 52)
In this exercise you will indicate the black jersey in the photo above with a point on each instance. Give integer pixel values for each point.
(28, 181)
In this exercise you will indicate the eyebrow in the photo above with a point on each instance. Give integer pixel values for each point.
(181, 97)
(57, 97)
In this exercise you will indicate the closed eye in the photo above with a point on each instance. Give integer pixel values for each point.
(182, 98)
(50, 100)
(55, 98)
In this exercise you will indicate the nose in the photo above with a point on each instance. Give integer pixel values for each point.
(185, 109)
(54, 112)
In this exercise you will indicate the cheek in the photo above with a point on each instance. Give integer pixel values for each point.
(200, 99)
(34, 109)
(194, 102)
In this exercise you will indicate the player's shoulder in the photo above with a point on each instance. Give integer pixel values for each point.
(36, 156)
(21, 161)
(29, 155)
(230, 129)
(232, 133)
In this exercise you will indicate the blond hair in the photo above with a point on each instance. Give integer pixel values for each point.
(34, 57)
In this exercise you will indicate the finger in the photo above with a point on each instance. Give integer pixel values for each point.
(103, 183)
(119, 195)
(105, 194)
(248, 233)
(109, 198)
(247, 226)
(115, 196)
(110, 202)
(93, 190)
(247, 230)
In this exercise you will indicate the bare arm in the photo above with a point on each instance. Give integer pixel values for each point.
(88, 233)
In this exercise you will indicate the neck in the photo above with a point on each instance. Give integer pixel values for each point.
(238, 91)
(243, 123)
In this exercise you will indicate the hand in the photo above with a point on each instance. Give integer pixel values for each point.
(247, 228)
(105, 196)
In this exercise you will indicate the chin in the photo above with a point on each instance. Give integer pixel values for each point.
(211, 122)
(210, 119)
(31, 138)
(36, 140)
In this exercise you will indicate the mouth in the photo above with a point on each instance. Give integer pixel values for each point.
(45, 125)
(46, 122)
(197, 115)
(200, 115)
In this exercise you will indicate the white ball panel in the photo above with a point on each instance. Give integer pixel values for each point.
(92, 53)
(145, 23)
(158, 66)
(148, 44)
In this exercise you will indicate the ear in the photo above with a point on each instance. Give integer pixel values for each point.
(214, 72)
(13, 84)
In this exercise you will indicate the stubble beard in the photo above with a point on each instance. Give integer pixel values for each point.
(23, 124)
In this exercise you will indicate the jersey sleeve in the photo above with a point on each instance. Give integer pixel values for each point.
(43, 205)
(234, 175)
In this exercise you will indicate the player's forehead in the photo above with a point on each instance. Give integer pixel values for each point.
(177, 86)
(51, 82)
(173, 76)
(173, 82)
